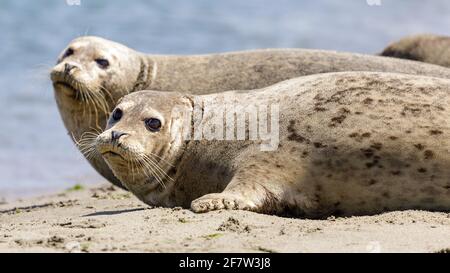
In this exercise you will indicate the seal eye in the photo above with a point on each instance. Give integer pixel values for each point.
(117, 114)
(153, 124)
(103, 63)
(68, 53)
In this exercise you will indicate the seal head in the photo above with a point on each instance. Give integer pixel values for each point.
(141, 143)
(90, 76)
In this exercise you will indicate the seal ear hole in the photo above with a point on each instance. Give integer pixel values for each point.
(68, 53)
(153, 124)
(102, 63)
(117, 114)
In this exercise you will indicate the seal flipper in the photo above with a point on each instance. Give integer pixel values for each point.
(248, 190)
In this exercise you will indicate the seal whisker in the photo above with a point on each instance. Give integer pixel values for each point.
(86, 144)
(107, 92)
(163, 160)
(157, 166)
(148, 166)
(92, 101)
(100, 101)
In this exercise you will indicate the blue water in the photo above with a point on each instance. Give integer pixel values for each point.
(36, 155)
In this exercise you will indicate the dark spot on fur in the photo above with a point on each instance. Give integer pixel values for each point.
(319, 98)
(358, 113)
(368, 101)
(320, 109)
(422, 170)
(393, 138)
(419, 146)
(396, 172)
(368, 152)
(366, 135)
(339, 119)
(377, 146)
(353, 135)
(413, 111)
(386, 194)
(436, 132)
(319, 145)
(294, 136)
(428, 154)
(372, 182)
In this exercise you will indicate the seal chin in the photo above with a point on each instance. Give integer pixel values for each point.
(66, 84)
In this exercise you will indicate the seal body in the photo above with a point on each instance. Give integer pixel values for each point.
(428, 48)
(350, 143)
(92, 74)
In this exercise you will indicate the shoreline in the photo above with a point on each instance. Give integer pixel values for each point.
(107, 219)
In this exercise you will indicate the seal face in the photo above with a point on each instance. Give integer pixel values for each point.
(141, 143)
(426, 48)
(349, 144)
(92, 74)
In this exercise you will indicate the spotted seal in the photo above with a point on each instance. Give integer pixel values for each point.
(92, 74)
(349, 143)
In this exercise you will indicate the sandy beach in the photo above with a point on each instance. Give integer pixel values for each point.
(107, 219)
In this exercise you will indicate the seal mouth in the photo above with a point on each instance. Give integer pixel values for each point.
(65, 82)
(66, 85)
(112, 153)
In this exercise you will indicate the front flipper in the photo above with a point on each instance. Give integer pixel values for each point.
(272, 183)
(252, 188)
(224, 200)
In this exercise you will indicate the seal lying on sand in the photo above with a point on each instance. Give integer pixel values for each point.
(92, 74)
(426, 48)
(348, 144)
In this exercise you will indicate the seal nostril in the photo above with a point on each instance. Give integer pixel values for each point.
(68, 68)
(117, 135)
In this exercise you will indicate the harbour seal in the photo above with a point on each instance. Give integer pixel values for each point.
(350, 143)
(428, 48)
(92, 74)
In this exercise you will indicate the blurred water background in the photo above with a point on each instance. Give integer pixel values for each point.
(37, 156)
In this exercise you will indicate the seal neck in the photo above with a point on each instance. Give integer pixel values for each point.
(147, 74)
